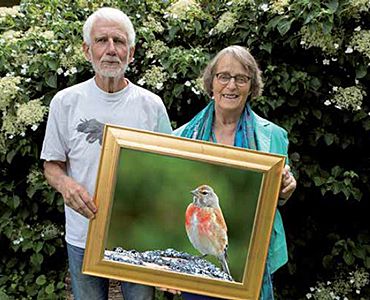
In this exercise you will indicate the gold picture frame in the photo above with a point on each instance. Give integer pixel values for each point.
(143, 188)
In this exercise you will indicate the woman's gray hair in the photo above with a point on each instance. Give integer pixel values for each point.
(109, 14)
(242, 55)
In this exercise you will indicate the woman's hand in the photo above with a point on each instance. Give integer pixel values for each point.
(175, 292)
(288, 185)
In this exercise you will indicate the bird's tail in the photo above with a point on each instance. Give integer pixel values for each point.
(225, 266)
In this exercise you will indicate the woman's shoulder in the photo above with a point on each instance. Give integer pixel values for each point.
(262, 122)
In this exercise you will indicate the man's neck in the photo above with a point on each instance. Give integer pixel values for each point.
(111, 84)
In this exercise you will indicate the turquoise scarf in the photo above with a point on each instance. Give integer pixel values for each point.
(200, 128)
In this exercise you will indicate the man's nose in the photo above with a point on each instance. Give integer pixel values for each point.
(111, 48)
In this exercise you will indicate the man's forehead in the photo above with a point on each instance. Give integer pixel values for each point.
(107, 27)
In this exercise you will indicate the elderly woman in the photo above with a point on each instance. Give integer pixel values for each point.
(233, 79)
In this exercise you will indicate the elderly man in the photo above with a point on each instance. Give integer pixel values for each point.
(73, 135)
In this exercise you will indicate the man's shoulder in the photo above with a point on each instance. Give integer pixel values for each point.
(69, 96)
(180, 130)
(144, 93)
(75, 89)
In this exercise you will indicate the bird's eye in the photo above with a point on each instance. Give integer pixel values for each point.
(204, 193)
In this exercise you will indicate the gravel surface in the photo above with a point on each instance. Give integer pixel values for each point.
(169, 259)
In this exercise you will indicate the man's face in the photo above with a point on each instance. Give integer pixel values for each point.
(108, 52)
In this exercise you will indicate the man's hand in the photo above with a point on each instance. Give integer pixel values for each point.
(74, 194)
(76, 197)
(288, 185)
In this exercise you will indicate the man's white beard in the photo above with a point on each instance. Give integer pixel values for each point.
(118, 72)
(115, 73)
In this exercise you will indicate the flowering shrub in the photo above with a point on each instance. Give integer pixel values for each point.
(315, 60)
(344, 287)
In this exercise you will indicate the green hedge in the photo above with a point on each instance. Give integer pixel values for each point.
(315, 57)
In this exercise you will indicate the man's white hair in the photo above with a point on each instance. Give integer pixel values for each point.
(109, 14)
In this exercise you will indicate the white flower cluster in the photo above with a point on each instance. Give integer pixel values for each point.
(349, 98)
(327, 43)
(226, 23)
(279, 6)
(11, 36)
(10, 11)
(73, 56)
(153, 25)
(361, 42)
(35, 176)
(184, 10)
(155, 49)
(241, 3)
(356, 7)
(196, 87)
(29, 114)
(10, 90)
(341, 288)
(154, 77)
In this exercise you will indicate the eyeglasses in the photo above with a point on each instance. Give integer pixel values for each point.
(240, 80)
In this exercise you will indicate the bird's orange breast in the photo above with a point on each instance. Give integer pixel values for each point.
(201, 214)
(199, 217)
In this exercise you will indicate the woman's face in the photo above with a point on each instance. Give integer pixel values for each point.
(230, 97)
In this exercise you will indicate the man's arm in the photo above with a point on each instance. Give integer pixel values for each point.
(74, 195)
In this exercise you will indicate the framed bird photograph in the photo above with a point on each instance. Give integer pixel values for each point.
(182, 214)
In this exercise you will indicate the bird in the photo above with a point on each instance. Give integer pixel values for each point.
(205, 225)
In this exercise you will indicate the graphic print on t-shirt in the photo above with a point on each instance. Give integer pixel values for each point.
(93, 129)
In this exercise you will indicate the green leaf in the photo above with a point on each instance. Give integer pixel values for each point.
(332, 5)
(361, 71)
(327, 27)
(284, 26)
(4, 296)
(198, 27)
(10, 156)
(60, 285)
(37, 259)
(348, 258)
(317, 113)
(329, 138)
(336, 171)
(308, 19)
(327, 261)
(367, 262)
(16, 201)
(41, 280)
(38, 246)
(366, 125)
(318, 181)
(52, 64)
(274, 22)
(49, 289)
(51, 80)
(266, 46)
(178, 89)
(359, 252)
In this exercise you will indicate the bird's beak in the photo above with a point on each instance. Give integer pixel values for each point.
(194, 192)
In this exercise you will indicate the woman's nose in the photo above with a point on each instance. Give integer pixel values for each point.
(231, 83)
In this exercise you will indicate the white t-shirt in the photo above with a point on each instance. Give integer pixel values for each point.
(74, 130)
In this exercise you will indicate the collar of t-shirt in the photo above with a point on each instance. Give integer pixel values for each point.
(111, 97)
